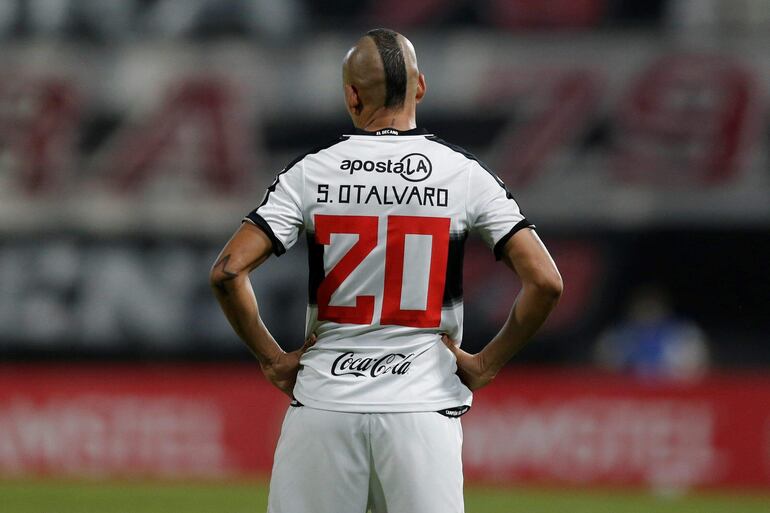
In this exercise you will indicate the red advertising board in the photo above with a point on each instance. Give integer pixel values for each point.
(581, 427)
(157, 420)
(546, 426)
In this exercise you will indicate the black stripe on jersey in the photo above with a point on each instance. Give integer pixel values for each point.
(294, 162)
(453, 281)
(259, 222)
(467, 154)
(500, 245)
(315, 262)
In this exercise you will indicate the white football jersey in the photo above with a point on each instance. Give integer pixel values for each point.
(386, 215)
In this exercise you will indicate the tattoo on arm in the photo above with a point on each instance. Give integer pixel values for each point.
(226, 275)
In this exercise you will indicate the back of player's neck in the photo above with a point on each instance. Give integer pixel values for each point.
(401, 121)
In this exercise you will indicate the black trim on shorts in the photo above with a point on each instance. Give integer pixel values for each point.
(454, 413)
(500, 246)
(259, 222)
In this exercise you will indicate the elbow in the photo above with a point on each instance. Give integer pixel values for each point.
(549, 286)
(220, 279)
(216, 281)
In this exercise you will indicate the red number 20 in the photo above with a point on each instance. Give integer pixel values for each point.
(398, 228)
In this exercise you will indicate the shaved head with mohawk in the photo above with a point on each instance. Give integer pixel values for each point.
(382, 82)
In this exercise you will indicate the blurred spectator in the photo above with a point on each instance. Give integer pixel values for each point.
(653, 341)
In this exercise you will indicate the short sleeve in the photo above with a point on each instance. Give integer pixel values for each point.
(492, 211)
(280, 213)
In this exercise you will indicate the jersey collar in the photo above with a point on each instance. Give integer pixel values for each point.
(391, 131)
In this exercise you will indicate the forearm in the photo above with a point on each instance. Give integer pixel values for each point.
(238, 302)
(529, 312)
(229, 278)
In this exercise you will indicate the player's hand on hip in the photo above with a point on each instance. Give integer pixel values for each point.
(282, 372)
(470, 367)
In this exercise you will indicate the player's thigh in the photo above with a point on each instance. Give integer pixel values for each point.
(321, 463)
(417, 460)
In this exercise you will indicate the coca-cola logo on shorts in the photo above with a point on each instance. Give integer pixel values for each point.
(350, 364)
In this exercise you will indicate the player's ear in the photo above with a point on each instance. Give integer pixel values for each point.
(421, 87)
(353, 100)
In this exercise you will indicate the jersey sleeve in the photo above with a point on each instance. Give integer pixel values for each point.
(492, 211)
(280, 213)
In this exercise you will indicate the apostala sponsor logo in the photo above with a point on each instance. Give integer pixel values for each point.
(414, 167)
(350, 364)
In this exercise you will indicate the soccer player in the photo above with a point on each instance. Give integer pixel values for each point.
(380, 383)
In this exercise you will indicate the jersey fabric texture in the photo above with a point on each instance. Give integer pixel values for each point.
(386, 215)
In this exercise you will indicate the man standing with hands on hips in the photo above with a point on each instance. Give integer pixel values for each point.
(380, 383)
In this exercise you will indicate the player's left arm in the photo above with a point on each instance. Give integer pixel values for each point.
(542, 286)
(229, 277)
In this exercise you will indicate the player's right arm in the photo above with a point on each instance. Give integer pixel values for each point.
(493, 212)
(541, 288)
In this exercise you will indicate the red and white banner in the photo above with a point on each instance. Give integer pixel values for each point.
(544, 426)
(580, 427)
(120, 420)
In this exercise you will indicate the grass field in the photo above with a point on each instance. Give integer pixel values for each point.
(251, 497)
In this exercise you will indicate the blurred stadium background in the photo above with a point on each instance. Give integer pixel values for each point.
(134, 134)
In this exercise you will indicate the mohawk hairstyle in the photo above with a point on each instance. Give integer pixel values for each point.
(393, 62)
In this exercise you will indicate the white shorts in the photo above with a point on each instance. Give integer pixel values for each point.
(337, 462)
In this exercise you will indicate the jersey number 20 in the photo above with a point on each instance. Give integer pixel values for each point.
(398, 227)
